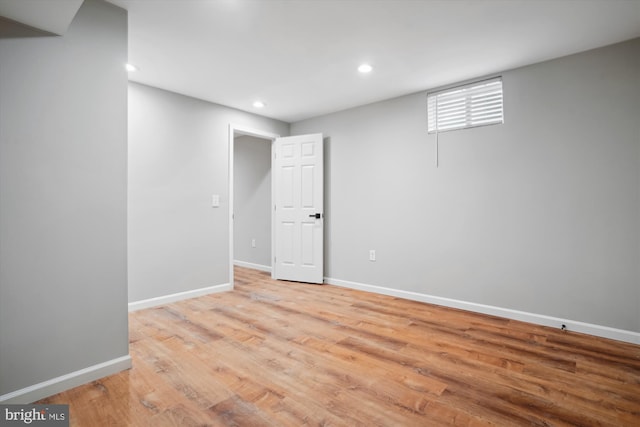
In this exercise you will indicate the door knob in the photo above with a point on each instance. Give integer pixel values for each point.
(316, 216)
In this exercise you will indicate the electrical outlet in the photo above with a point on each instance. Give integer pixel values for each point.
(372, 255)
(253, 243)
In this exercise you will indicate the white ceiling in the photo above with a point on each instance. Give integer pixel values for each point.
(52, 16)
(300, 56)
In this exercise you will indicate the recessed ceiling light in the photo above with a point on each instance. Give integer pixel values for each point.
(365, 68)
(130, 67)
(259, 104)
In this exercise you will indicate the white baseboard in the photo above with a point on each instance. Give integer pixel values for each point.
(538, 319)
(65, 382)
(167, 299)
(245, 264)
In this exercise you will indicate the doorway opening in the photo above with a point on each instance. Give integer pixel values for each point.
(250, 193)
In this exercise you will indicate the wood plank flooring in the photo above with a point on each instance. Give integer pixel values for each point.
(289, 354)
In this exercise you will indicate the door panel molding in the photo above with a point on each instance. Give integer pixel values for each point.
(298, 198)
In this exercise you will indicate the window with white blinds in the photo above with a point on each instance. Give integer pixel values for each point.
(475, 104)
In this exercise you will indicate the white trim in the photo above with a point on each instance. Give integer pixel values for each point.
(167, 299)
(266, 268)
(231, 136)
(273, 211)
(257, 133)
(538, 319)
(59, 384)
(241, 130)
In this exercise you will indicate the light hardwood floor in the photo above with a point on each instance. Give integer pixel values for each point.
(289, 354)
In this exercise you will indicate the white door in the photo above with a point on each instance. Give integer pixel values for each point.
(298, 208)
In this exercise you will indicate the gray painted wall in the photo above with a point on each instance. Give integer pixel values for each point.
(63, 160)
(178, 158)
(541, 214)
(252, 200)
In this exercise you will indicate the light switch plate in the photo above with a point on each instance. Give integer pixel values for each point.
(215, 200)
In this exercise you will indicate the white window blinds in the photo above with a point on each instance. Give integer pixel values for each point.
(475, 104)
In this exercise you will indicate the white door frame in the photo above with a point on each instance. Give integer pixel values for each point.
(233, 131)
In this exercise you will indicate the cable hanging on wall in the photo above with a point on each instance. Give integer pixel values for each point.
(437, 135)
